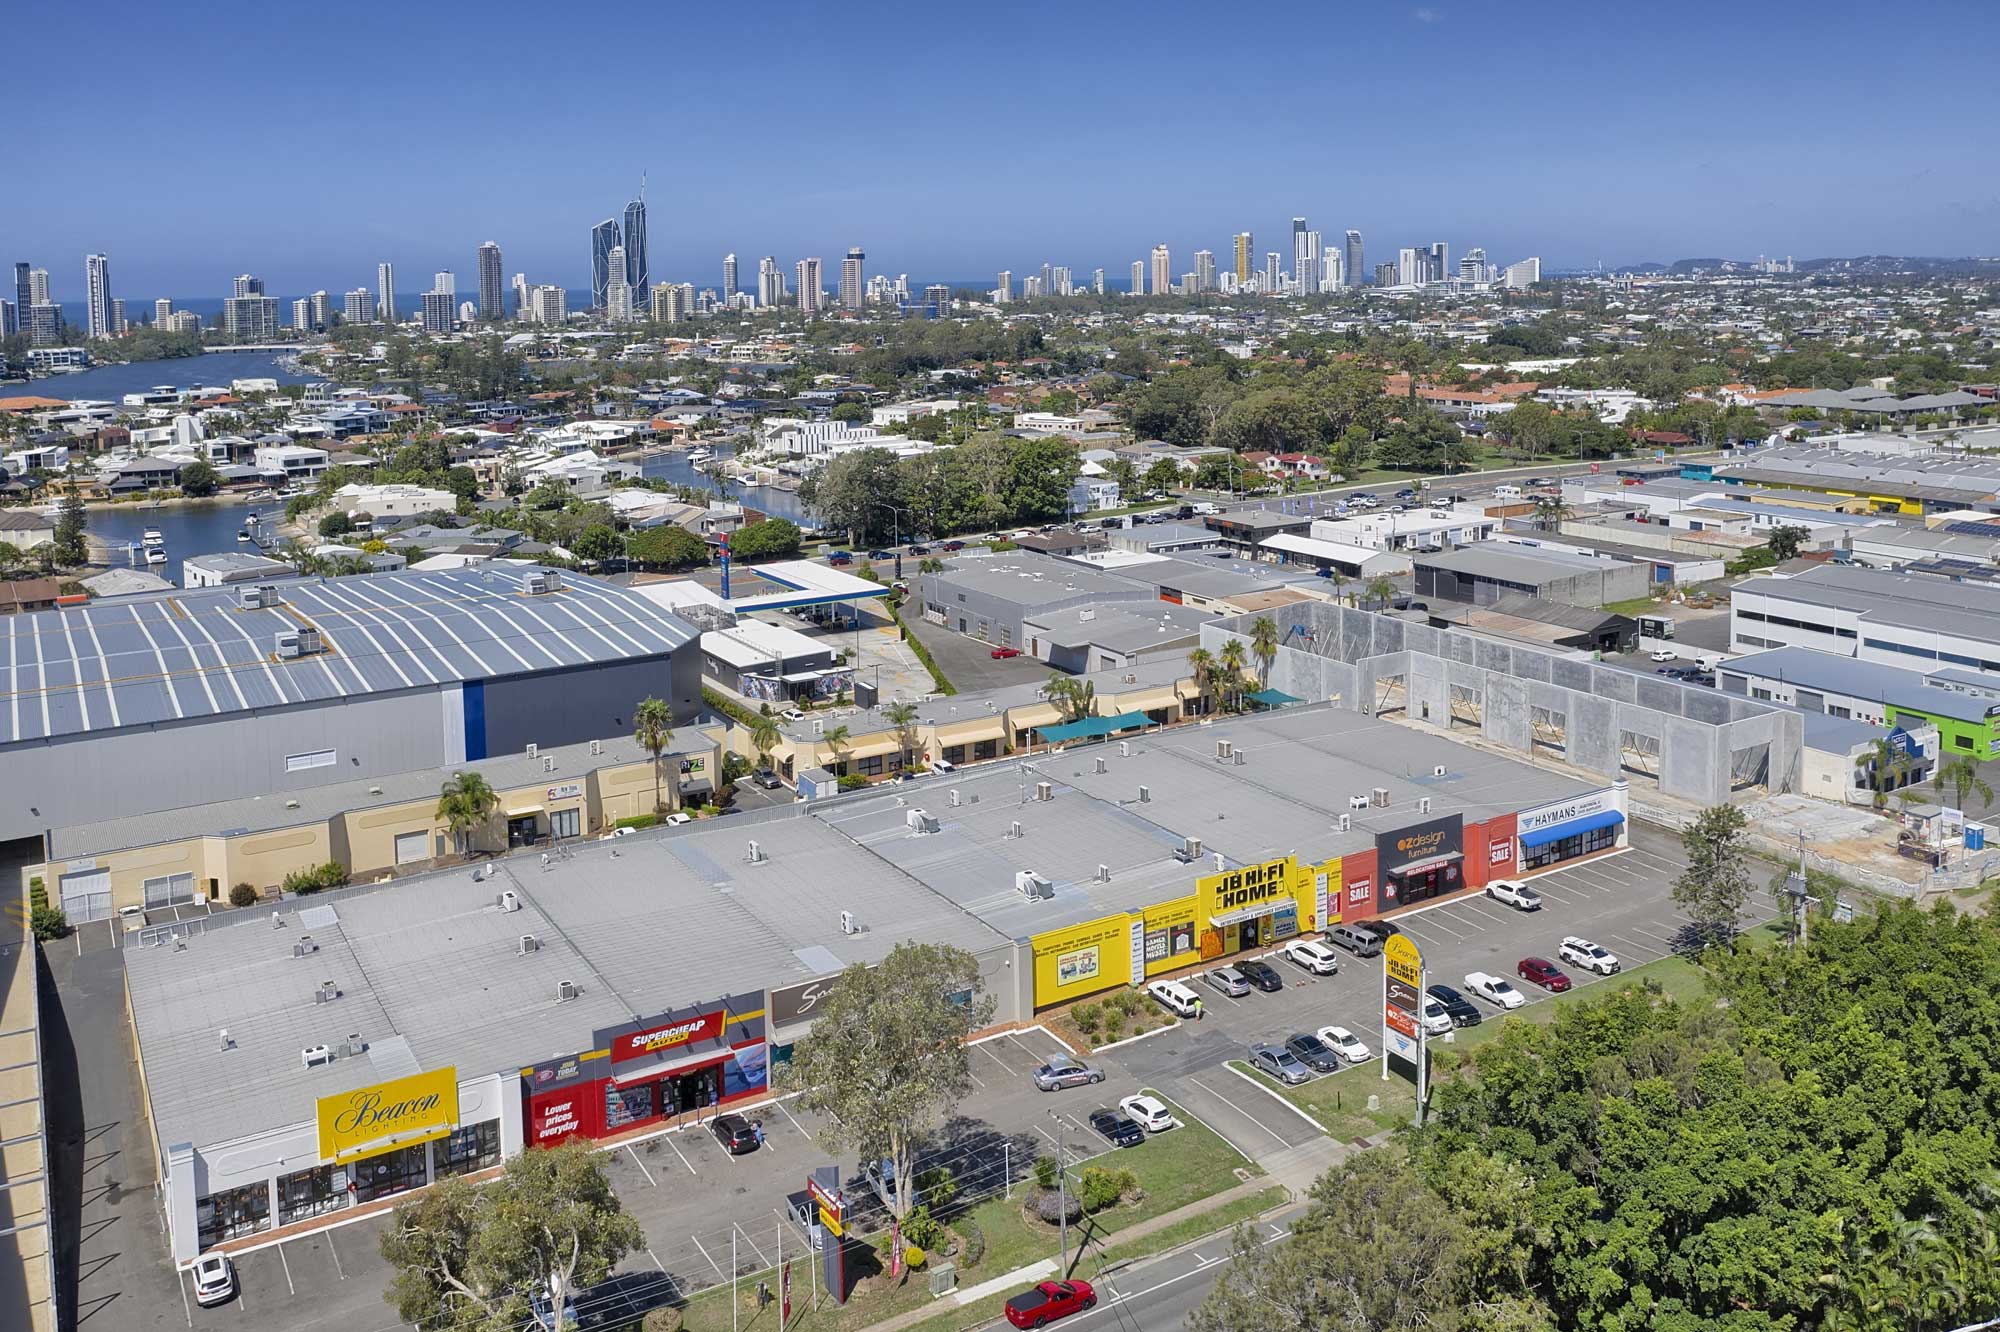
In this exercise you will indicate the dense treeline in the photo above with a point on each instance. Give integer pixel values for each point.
(1810, 1145)
(987, 482)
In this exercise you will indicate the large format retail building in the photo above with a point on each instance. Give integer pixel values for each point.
(271, 692)
(381, 1037)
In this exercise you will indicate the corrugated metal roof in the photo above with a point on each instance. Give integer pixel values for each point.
(197, 654)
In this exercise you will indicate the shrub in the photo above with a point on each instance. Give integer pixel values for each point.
(661, 1320)
(1103, 1187)
(922, 1229)
(638, 821)
(38, 893)
(242, 895)
(974, 1237)
(1052, 1207)
(914, 1257)
(853, 781)
(1045, 1172)
(48, 922)
(938, 1185)
(332, 874)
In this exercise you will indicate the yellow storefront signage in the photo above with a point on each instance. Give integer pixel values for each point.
(1082, 959)
(1402, 961)
(1248, 886)
(388, 1115)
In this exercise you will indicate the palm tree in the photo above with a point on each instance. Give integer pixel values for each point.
(1379, 590)
(1552, 511)
(903, 716)
(764, 737)
(653, 728)
(836, 739)
(1231, 662)
(1202, 663)
(1961, 774)
(1264, 644)
(1883, 767)
(464, 803)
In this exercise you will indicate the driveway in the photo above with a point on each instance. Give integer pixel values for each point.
(969, 663)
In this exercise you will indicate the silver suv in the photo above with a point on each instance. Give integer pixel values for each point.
(1229, 981)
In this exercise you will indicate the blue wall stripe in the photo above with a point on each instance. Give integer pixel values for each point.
(475, 720)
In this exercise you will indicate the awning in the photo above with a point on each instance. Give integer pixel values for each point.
(1091, 727)
(1272, 698)
(1419, 866)
(1556, 832)
(1242, 914)
(524, 812)
(665, 1067)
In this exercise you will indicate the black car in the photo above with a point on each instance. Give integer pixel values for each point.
(1313, 1052)
(1118, 1130)
(1456, 1006)
(1261, 974)
(920, 550)
(736, 1134)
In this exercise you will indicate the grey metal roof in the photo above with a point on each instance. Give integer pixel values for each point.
(1120, 628)
(1910, 601)
(1515, 564)
(197, 654)
(1822, 672)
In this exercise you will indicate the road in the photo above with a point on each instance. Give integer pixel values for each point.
(1157, 1295)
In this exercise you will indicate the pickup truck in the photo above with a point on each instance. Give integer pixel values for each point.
(1517, 895)
(1581, 952)
(1493, 989)
(1049, 1301)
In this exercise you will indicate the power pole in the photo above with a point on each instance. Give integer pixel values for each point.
(1062, 1203)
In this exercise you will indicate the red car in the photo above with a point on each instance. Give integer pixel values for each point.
(1049, 1301)
(1543, 973)
(1001, 654)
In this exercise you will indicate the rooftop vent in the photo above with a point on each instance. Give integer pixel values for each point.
(755, 855)
(1241, 758)
(1379, 797)
(509, 900)
(1104, 874)
(304, 946)
(566, 991)
(224, 1037)
(353, 1046)
(529, 944)
(1014, 830)
(1345, 823)
(1438, 771)
(1145, 795)
(1101, 767)
(1423, 804)
(1189, 850)
(1032, 885)
(1045, 791)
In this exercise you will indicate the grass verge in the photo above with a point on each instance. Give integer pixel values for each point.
(1173, 1169)
(1339, 1101)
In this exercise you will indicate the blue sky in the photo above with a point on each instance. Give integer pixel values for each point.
(305, 142)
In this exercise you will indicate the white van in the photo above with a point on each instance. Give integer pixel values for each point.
(1175, 997)
(1205, 509)
(1507, 492)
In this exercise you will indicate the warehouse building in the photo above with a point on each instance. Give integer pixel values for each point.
(1485, 574)
(1900, 619)
(772, 664)
(990, 599)
(1964, 706)
(154, 704)
(301, 1069)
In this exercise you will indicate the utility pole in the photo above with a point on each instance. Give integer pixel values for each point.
(1062, 1203)
(1795, 888)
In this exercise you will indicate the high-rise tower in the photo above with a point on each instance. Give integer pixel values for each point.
(492, 294)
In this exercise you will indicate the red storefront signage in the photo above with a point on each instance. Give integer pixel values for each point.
(667, 1038)
(558, 1115)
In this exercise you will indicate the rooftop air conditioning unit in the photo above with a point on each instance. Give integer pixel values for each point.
(1104, 874)
(1346, 823)
(920, 822)
(314, 1055)
(597, 746)
(542, 584)
(1223, 749)
(1124, 749)
(353, 1046)
(304, 946)
(954, 797)
(1145, 795)
(261, 596)
(1188, 851)
(1241, 758)
(534, 750)
(287, 645)
(508, 900)
(1379, 797)
(848, 924)
(1033, 885)
(1357, 802)
(1101, 765)
(819, 726)
(566, 991)
(1438, 771)
(1045, 791)
(326, 993)
(1014, 830)
(754, 854)
(529, 944)
(1423, 804)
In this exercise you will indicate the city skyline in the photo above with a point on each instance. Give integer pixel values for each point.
(1635, 180)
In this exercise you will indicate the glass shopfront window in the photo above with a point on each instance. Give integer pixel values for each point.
(312, 1192)
(624, 1106)
(390, 1173)
(233, 1213)
(467, 1150)
(1568, 848)
(1423, 884)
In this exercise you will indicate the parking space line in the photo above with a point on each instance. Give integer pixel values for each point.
(336, 1254)
(642, 1166)
(1240, 1110)
(286, 1263)
(711, 1262)
(794, 1118)
(669, 1140)
(187, 1310)
(753, 1246)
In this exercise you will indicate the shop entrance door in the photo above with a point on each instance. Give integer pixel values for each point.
(521, 831)
(691, 1092)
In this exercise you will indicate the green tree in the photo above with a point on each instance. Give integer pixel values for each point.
(1039, 480)
(1164, 476)
(1961, 774)
(1076, 698)
(464, 805)
(887, 1058)
(836, 739)
(1229, 668)
(596, 544)
(69, 545)
(1379, 591)
(1264, 646)
(665, 547)
(1552, 511)
(653, 728)
(199, 479)
(764, 737)
(472, 1258)
(300, 556)
(772, 539)
(1785, 541)
(852, 412)
(1201, 664)
(903, 716)
(1716, 883)
(335, 525)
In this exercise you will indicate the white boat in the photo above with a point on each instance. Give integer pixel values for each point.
(155, 555)
(700, 455)
(153, 538)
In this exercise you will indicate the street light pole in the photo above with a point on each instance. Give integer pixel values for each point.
(1062, 1204)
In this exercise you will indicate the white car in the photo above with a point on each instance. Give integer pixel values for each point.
(792, 715)
(214, 1279)
(1314, 956)
(1517, 895)
(1437, 1018)
(1661, 654)
(1149, 1113)
(1493, 989)
(1581, 952)
(1346, 1044)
